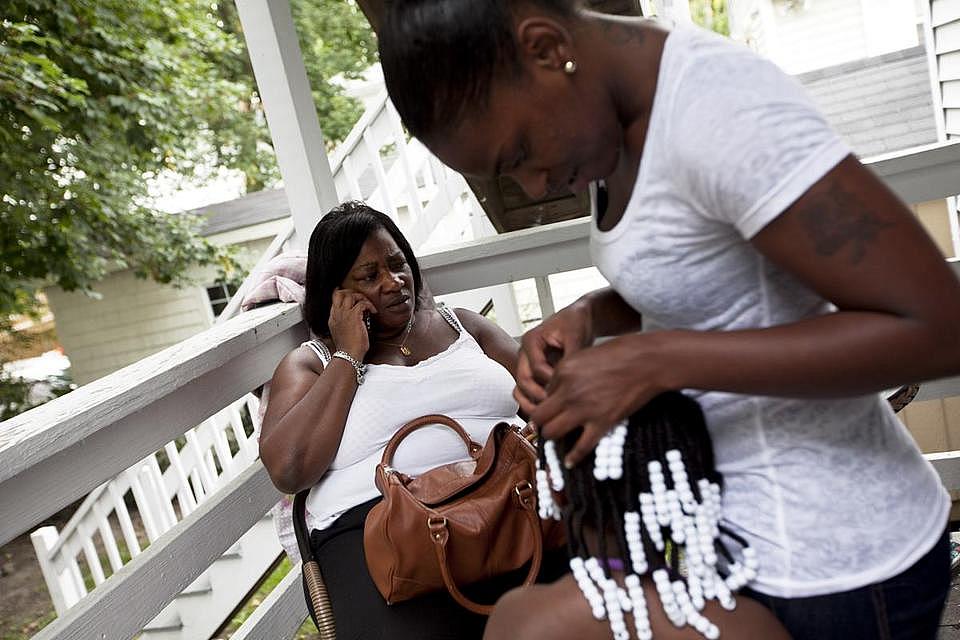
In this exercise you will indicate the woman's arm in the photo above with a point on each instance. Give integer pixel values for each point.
(308, 405)
(848, 238)
(305, 416)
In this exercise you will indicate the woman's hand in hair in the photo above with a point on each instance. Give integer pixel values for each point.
(598, 313)
(346, 323)
(598, 387)
(560, 335)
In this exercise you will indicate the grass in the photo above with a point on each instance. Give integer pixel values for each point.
(307, 630)
(26, 628)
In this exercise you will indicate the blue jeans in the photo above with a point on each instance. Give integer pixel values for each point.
(905, 607)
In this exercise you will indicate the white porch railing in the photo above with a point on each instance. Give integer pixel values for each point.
(59, 452)
(380, 164)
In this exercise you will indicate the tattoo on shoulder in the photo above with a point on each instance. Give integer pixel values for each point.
(837, 220)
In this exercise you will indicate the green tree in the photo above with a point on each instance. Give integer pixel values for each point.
(336, 40)
(711, 14)
(98, 97)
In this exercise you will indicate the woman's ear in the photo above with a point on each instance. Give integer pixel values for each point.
(543, 43)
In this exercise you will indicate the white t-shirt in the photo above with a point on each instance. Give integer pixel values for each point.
(461, 382)
(834, 494)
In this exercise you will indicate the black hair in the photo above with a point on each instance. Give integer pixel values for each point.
(334, 246)
(670, 421)
(439, 57)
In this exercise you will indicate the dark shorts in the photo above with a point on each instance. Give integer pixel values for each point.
(360, 612)
(908, 606)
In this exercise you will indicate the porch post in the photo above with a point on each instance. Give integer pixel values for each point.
(676, 10)
(291, 115)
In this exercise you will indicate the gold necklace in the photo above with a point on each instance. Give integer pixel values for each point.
(404, 349)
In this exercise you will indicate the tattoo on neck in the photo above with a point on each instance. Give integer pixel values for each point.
(619, 33)
(837, 220)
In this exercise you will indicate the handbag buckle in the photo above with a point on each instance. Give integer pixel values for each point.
(437, 525)
(524, 491)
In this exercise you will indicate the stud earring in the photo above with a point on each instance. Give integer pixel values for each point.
(570, 67)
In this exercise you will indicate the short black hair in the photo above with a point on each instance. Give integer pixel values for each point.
(439, 57)
(334, 246)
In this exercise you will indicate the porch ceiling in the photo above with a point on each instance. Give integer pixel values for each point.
(507, 206)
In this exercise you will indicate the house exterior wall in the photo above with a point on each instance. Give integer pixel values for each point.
(133, 318)
(945, 22)
(935, 424)
(934, 216)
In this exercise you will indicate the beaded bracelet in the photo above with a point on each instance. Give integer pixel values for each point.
(358, 366)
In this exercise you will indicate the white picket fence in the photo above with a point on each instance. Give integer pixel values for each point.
(377, 163)
(197, 464)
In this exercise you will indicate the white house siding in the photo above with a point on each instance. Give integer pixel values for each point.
(134, 318)
(945, 21)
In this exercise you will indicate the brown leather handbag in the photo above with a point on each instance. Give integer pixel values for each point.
(456, 524)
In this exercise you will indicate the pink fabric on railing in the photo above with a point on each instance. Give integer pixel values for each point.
(280, 280)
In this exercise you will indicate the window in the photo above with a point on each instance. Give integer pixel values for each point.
(219, 295)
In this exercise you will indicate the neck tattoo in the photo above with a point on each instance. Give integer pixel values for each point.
(402, 345)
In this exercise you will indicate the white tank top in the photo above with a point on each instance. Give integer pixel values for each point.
(460, 382)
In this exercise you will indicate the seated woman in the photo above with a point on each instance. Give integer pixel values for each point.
(628, 534)
(381, 359)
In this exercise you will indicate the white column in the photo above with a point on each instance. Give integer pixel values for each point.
(676, 10)
(291, 114)
(508, 313)
(746, 24)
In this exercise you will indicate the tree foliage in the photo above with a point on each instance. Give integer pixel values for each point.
(711, 14)
(98, 97)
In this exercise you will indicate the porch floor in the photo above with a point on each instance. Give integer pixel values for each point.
(950, 623)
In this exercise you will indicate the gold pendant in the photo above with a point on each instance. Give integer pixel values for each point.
(405, 350)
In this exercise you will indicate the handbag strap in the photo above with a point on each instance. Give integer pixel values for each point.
(300, 529)
(440, 535)
(423, 421)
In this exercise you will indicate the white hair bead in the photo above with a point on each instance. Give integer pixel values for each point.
(553, 465)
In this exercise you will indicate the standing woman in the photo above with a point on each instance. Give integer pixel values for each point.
(774, 277)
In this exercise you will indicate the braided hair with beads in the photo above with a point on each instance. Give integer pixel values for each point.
(651, 486)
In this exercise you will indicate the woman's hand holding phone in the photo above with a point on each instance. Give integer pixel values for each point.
(349, 313)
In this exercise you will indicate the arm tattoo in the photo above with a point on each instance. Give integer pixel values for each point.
(837, 219)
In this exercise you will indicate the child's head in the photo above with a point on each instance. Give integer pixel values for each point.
(646, 500)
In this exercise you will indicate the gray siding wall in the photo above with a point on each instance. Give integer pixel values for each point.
(946, 34)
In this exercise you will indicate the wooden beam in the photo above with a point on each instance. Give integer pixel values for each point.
(920, 174)
(60, 451)
(291, 113)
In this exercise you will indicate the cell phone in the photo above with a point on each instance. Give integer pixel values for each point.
(366, 320)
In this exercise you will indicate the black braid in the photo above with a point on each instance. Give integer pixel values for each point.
(669, 421)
